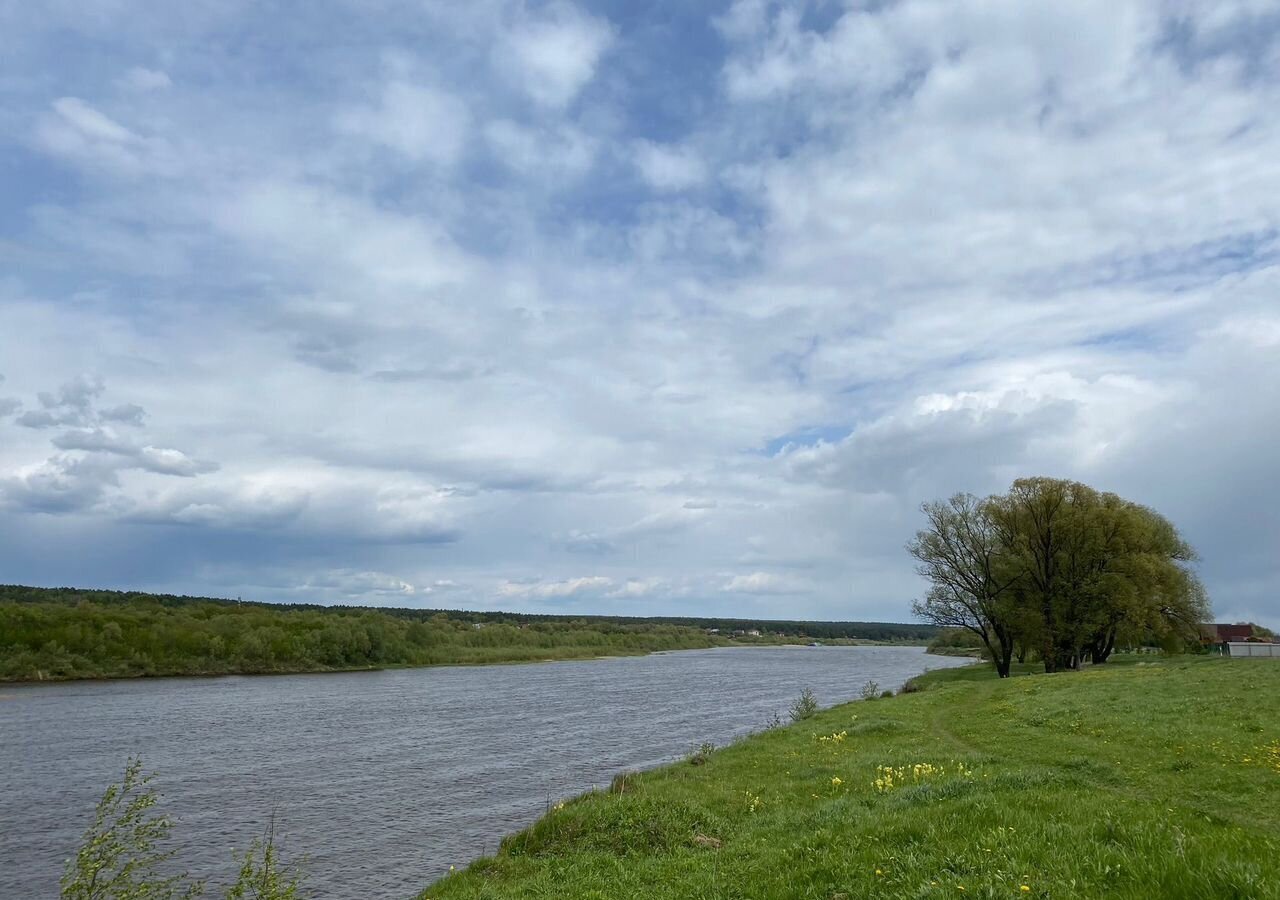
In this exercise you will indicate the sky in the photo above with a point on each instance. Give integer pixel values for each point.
(651, 309)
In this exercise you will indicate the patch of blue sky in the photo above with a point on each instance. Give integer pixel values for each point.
(32, 180)
(808, 436)
(666, 66)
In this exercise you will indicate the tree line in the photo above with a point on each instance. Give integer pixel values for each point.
(1058, 571)
(913, 632)
(75, 633)
(93, 638)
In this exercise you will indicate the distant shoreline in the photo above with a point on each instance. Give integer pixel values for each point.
(146, 676)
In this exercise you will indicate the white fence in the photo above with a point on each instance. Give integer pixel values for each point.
(1249, 648)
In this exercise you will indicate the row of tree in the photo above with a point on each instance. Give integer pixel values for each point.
(1056, 569)
(141, 635)
(905, 632)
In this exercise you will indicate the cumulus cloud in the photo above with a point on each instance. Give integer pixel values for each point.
(552, 55)
(574, 314)
(418, 121)
(60, 484)
(91, 455)
(669, 168)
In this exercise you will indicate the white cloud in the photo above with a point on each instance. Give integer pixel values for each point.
(554, 589)
(417, 121)
(78, 132)
(765, 583)
(669, 168)
(142, 79)
(552, 55)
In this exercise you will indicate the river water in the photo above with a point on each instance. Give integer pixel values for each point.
(382, 780)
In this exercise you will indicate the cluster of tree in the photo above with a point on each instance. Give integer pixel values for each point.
(1058, 570)
(912, 632)
(82, 636)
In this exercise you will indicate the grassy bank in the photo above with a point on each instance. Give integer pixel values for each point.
(1143, 779)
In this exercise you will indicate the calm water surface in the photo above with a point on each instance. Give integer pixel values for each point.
(382, 780)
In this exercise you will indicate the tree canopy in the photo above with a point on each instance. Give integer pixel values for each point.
(1057, 568)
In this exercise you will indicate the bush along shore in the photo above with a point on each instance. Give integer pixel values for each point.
(1140, 779)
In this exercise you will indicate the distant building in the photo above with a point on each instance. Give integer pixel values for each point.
(754, 632)
(1219, 632)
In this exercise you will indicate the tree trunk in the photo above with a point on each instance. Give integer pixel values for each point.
(1002, 667)
(1101, 645)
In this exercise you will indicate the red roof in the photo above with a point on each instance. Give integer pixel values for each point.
(1232, 632)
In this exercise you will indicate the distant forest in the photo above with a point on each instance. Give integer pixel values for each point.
(60, 633)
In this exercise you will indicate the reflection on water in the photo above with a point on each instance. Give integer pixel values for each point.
(383, 779)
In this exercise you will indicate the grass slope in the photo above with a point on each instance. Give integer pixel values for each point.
(1138, 780)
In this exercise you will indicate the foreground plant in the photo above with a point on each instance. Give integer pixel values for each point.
(120, 856)
(805, 707)
(262, 875)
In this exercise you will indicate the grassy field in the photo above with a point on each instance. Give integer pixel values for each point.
(1144, 779)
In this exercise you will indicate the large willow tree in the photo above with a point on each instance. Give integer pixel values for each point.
(1057, 566)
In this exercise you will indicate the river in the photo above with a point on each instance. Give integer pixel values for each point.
(382, 780)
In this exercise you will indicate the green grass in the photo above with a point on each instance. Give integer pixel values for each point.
(1151, 778)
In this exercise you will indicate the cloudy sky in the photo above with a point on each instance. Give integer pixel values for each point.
(618, 307)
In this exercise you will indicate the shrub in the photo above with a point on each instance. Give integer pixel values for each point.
(870, 690)
(699, 756)
(805, 707)
(912, 686)
(119, 859)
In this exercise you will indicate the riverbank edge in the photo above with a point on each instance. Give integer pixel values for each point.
(535, 849)
(247, 673)
(927, 678)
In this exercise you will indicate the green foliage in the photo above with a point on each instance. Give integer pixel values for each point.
(120, 856)
(54, 633)
(805, 706)
(1056, 568)
(50, 635)
(1127, 782)
(262, 876)
(956, 642)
